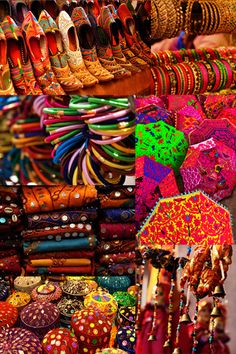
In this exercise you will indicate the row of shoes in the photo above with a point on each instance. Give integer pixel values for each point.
(62, 55)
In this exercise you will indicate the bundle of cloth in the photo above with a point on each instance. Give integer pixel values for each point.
(116, 243)
(60, 236)
(11, 224)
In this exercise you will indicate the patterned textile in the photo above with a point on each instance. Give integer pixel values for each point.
(162, 143)
(43, 199)
(210, 166)
(220, 129)
(117, 197)
(63, 254)
(152, 113)
(83, 270)
(51, 246)
(214, 104)
(189, 219)
(144, 101)
(110, 231)
(188, 118)
(114, 258)
(59, 232)
(117, 246)
(10, 264)
(59, 218)
(118, 215)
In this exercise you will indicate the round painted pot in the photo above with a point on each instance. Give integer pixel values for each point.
(4, 291)
(27, 284)
(92, 329)
(76, 288)
(127, 316)
(19, 300)
(60, 341)
(124, 299)
(67, 308)
(114, 283)
(19, 340)
(40, 317)
(126, 339)
(8, 315)
(48, 292)
(103, 302)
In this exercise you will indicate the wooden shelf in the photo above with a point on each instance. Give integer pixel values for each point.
(137, 84)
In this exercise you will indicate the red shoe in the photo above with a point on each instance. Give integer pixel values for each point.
(21, 69)
(38, 50)
(130, 33)
(107, 22)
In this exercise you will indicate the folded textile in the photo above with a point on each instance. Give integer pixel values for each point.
(120, 231)
(116, 246)
(51, 198)
(118, 215)
(60, 262)
(58, 218)
(63, 254)
(7, 253)
(116, 269)
(47, 246)
(113, 258)
(59, 270)
(9, 194)
(10, 244)
(59, 232)
(152, 113)
(10, 264)
(120, 197)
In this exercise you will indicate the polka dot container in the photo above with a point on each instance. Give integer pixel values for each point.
(119, 283)
(126, 339)
(3, 291)
(20, 341)
(60, 341)
(67, 308)
(103, 302)
(48, 292)
(92, 329)
(40, 317)
(19, 299)
(124, 299)
(27, 284)
(8, 315)
(126, 316)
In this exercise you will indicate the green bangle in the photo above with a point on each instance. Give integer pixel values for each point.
(111, 102)
(64, 137)
(112, 126)
(116, 154)
(61, 111)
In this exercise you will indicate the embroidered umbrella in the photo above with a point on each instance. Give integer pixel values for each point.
(153, 180)
(221, 129)
(189, 219)
(162, 143)
(211, 167)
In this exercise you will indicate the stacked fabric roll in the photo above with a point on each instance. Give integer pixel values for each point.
(116, 249)
(60, 236)
(11, 218)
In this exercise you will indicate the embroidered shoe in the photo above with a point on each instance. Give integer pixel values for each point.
(20, 66)
(5, 9)
(6, 85)
(51, 7)
(19, 10)
(57, 54)
(104, 51)
(88, 47)
(107, 22)
(38, 50)
(72, 48)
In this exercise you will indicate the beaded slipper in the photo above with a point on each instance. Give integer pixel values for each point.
(104, 51)
(21, 69)
(87, 45)
(38, 50)
(130, 33)
(19, 10)
(71, 45)
(107, 22)
(57, 55)
(6, 85)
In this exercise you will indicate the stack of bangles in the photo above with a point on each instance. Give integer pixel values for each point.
(194, 77)
(92, 139)
(31, 157)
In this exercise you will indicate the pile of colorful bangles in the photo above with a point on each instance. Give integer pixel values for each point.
(90, 138)
(194, 71)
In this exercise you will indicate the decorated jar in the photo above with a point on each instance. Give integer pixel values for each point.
(19, 340)
(60, 341)
(103, 302)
